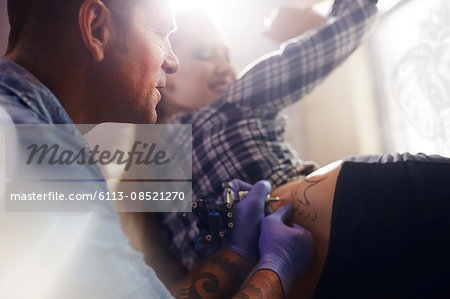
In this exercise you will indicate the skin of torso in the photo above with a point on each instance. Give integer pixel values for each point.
(312, 199)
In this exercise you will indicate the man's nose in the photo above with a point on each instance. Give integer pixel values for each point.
(171, 63)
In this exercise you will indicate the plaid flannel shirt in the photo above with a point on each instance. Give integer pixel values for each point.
(240, 135)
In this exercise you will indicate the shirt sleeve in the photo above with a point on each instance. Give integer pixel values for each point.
(65, 254)
(287, 75)
(103, 265)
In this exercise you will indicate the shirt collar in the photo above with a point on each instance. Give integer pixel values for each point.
(35, 95)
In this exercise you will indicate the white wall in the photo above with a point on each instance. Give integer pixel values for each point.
(340, 117)
(411, 51)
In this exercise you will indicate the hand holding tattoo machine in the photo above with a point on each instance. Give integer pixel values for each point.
(217, 217)
(286, 250)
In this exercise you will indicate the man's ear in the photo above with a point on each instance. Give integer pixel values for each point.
(94, 23)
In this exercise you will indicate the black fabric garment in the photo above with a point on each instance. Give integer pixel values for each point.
(390, 231)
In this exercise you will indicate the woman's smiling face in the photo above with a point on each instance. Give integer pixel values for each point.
(205, 70)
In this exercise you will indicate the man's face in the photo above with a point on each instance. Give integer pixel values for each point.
(136, 64)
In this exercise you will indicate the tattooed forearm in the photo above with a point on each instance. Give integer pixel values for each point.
(219, 276)
(265, 284)
(242, 296)
(258, 294)
(229, 267)
(203, 282)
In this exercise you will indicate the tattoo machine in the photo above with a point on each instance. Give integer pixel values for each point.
(215, 216)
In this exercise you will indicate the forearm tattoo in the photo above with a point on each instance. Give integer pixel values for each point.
(203, 282)
(209, 281)
(262, 287)
(302, 205)
(228, 267)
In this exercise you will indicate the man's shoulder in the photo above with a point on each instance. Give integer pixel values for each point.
(16, 109)
(16, 84)
(26, 99)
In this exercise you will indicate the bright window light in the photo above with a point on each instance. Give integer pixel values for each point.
(385, 6)
(212, 8)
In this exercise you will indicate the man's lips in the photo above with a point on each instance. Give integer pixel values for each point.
(161, 83)
(158, 92)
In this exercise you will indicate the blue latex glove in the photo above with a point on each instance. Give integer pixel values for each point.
(288, 251)
(247, 214)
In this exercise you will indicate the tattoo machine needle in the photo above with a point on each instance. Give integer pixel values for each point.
(269, 198)
(228, 195)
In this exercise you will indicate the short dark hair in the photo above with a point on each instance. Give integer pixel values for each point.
(43, 20)
(33, 17)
